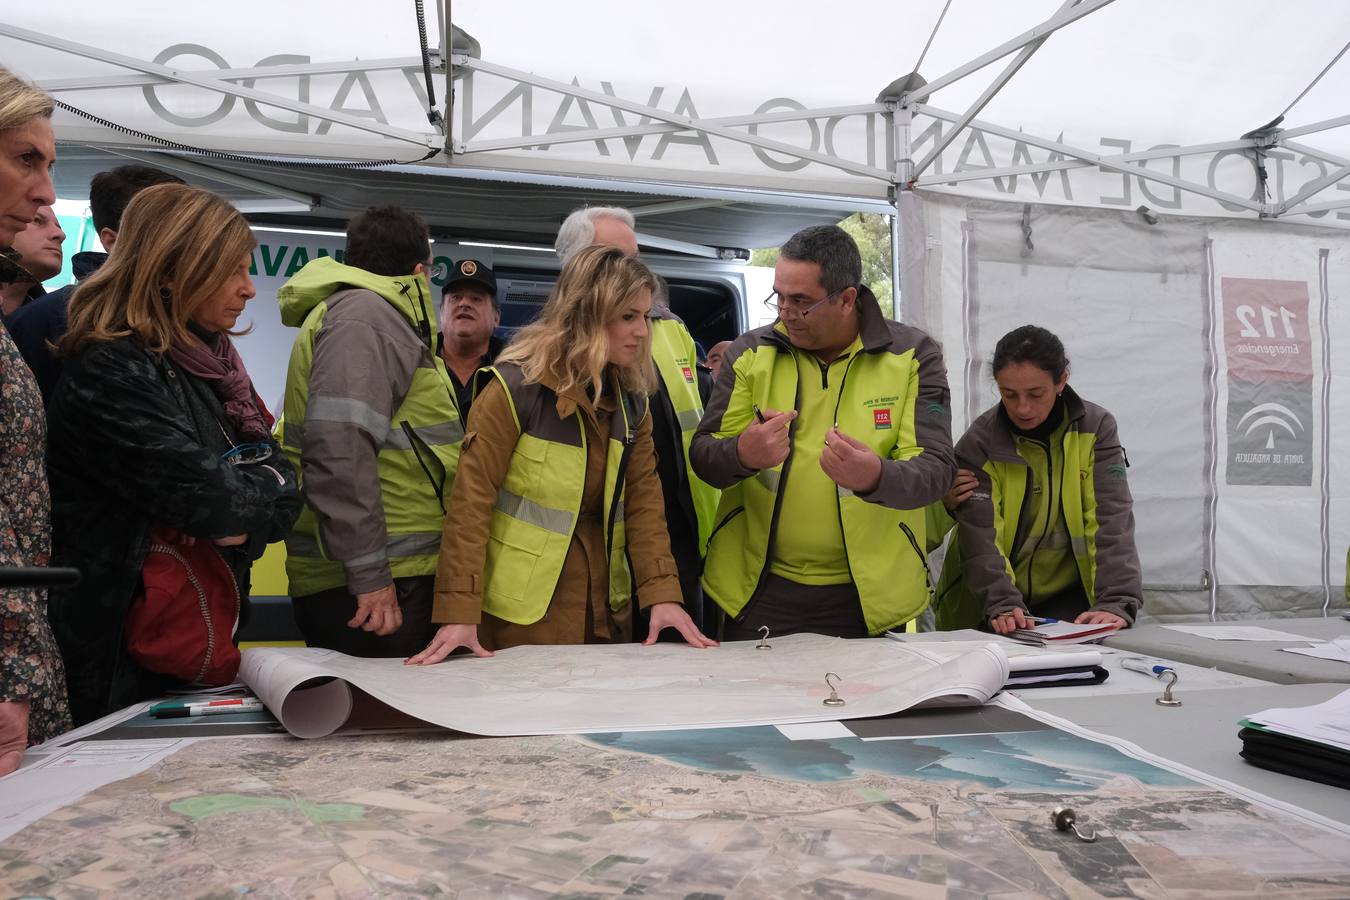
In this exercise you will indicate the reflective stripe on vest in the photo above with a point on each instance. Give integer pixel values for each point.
(306, 547)
(525, 509)
(417, 456)
(959, 607)
(438, 435)
(535, 514)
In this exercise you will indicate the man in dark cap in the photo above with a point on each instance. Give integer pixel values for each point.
(470, 312)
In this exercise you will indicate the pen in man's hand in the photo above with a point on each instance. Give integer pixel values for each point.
(758, 414)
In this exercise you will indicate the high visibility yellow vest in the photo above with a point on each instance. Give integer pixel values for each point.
(675, 356)
(538, 503)
(416, 462)
(877, 406)
(1071, 482)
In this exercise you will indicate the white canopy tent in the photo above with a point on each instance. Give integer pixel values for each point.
(1164, 185)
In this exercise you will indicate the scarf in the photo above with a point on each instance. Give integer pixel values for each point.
(1041, 433)
(11, 270)
(214, 359)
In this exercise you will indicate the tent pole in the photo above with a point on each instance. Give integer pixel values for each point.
(1323, 155)
(200, 170)
(447, 45)
(1104, 162)
(215, 84)
(663, 115)
(1324, 125)
(582, 135)
(1310, 208)
(902, 121)
(896, 292)
(1315, 186)
(1040, 32)
(1061, 164)
(674, 206)
(252, 73)
(944, 141)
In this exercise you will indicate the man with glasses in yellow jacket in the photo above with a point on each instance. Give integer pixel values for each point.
(828, 432)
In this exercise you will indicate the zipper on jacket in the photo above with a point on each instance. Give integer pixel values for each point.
(778, 496)
(923, 561)
(838, 504)
(1049, 517)
(712, 534)
(630, 439)
(415, 443)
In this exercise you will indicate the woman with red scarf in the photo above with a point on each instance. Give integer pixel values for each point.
(155, 429)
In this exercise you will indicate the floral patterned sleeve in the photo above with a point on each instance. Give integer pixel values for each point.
(30, 664)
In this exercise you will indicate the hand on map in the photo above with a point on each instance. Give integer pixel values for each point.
(1010, 621)
(13, 734)
(672, 615)
(445, 641)
(850, 463)
(1101, 617)
(378, 611)
(763, 445)
(962, 487)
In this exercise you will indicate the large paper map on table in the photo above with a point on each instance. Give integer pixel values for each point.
(625, 687)
(726, 813)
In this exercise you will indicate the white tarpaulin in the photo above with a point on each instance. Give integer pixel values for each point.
(1211, 341)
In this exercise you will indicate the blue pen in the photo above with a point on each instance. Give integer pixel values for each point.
(1145, 666)
(1038, 620)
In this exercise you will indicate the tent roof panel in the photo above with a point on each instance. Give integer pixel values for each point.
(1144, 71)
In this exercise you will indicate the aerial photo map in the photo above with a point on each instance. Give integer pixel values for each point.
(697, 814)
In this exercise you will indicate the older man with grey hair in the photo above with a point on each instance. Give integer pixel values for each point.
(676, 407)
(608, 226)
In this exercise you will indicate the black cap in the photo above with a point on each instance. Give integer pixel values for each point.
(471, 270)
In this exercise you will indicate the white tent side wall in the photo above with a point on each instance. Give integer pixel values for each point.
(1180, 329)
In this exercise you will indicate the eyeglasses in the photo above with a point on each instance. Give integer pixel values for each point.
(790, 309)
(247, 454)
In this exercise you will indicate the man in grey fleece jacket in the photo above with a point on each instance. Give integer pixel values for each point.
(372, 426)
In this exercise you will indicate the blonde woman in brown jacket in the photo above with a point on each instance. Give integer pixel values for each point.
(556, 519)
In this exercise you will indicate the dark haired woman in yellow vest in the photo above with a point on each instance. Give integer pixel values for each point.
(556, 519)
(1043, 510)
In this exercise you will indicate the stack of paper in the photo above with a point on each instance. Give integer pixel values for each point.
(1238, 633)
(1337, 650)
(1310, 742)
(1062, 633)
(1060, 667)
(1028, 666)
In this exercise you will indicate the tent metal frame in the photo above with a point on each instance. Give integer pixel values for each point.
(901, 171)
(213, 82)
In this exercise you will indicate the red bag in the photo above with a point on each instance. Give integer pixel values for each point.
(182, 622)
